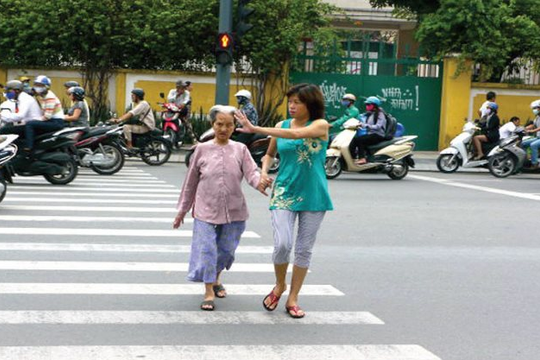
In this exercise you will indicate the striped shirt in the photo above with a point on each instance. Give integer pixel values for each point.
(51, 106)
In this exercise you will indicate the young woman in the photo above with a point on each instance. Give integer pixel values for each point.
(300, 191)
(213, 188)
(490, 130)
(78, 113)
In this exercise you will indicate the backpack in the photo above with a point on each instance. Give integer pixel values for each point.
(391, 126)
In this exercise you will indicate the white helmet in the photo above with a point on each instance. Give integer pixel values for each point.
(349, 97)
(535, 104)
(244, 93)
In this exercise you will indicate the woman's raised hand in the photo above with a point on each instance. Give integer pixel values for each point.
(242, 119)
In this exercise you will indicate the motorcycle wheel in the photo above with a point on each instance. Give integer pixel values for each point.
(445, 165)
(171, 134)
(156, 152)
(502, 165)
(275, 166)
(3, 189)
(332, 167)
(117, 154)
(400, 169)
(188, 157)
(68, 174)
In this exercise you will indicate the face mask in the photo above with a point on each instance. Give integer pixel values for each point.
(241, 100)
(10, 95)
(370, 107)
(488, 111)
(536, 111)
(345, 102)
(40, 90)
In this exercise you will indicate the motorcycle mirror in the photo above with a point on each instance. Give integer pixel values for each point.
(162, 95)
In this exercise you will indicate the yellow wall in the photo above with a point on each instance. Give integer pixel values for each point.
(454, 102)
(3, 76)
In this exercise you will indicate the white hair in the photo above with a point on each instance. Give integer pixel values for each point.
(223, 109)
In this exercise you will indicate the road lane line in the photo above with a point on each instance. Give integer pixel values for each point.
(91, 219)
(89, 201)
(75, 184)
(107, 232)
(224, 352)
(121, 266)
(185, 317)
(90, 194)
(98, 180)
(101, 209)
(100, 189)
(135, 248)
(478, 188)
(151, 289)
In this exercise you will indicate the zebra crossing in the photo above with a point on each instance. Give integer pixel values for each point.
(93, 271)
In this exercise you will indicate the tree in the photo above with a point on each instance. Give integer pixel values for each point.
(500, 35)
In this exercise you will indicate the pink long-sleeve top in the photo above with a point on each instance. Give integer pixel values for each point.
(213, 184)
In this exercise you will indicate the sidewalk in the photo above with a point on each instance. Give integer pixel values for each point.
(424, 160)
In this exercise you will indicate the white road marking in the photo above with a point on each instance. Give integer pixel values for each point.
(102, 180)
(101, 209)
(122, 184)
(73, 187)
(136, 248)
(186, 317)
(223, 352)
(107, 232)
(151, 289)
(478, 188)
(91, 194)
(115, 177)
(120, 266)
(92, 219)
(90, 201)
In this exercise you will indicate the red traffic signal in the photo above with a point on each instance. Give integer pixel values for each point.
(224, 49)
(225, 41)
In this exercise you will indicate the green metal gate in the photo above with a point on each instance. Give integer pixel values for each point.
(411, 88)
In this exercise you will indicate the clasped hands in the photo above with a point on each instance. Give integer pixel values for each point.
(264, 183)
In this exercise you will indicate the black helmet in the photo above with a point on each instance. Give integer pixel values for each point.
(14, 85)
(71, 83)
(138, 92)
(78, 92)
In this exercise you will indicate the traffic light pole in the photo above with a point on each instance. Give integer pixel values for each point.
(223, 75)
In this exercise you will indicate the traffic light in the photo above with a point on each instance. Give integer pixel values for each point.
(242, 27)
(224, 50)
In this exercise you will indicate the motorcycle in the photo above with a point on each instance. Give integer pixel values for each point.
(173, 125)
(461, 151)
(151, 147)
(7, 151)
(507, 157)
(257, 145)
(392, 157)
(97, 148)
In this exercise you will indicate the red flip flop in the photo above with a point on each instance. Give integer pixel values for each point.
(293, 311)
(274, 300)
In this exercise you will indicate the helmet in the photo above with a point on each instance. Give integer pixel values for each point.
(24, 78)
(534, 104)
(138, 92)
(373, 100)
(71, 83)
(43, 80)
(244, 93)
(77, 91)
(349, 97)
(181, 83)
(14, 85)
(493, 106)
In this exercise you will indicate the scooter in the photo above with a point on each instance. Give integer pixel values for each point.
(7, 151)
(461, 151)
(152, 147)
(392, 157)
(507, 157)
(173, 125)
(257, 145)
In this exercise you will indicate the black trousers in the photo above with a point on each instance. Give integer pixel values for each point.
(359, 144)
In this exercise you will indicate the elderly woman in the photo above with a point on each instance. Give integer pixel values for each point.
(213, 189)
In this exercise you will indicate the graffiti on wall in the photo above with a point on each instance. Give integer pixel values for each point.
(332, 94)
(402, 99)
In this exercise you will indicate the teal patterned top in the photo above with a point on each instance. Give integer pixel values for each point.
(301, 183)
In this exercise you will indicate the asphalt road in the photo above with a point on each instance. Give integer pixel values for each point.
(430, 267)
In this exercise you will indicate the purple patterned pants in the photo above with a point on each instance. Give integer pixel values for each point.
(212, 249)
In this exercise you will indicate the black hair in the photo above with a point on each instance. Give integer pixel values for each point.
(312, 96)
(490, 95)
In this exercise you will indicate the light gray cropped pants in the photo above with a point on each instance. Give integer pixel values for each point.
(283, 221)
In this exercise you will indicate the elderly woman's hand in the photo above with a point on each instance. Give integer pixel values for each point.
(242, 119)
(264, 183)
(178, 220)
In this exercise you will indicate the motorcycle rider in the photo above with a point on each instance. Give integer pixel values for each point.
(351, 111)
(489, 130)
(26, 108)
(534, 128)
(375, 126)
(490, 97)
(181, 97)
(77, 115)
(70, 84)
(53, 113)
(243, 97)
(508, 129)
(26, 85)
(143, 113)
